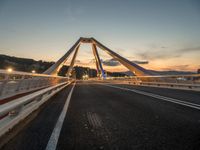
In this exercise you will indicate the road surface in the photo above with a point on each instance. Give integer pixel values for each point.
(115, 117)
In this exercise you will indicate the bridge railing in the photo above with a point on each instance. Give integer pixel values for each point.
(35, 90)
(176, 81)
(14, 112)
(14, 83)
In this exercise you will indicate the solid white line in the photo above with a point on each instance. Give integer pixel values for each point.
(52, 144)
(180, 102)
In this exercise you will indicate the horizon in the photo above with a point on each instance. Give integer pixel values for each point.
(158, 35)
(90, 67)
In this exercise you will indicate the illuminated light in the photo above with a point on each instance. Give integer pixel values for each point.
(9, 70)
(85, 77)
(33, 71)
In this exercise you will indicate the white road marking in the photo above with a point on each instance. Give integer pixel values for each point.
(52, 144)
(180, 102)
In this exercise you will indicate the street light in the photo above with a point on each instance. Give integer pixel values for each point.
(33, 71)
(9, 70)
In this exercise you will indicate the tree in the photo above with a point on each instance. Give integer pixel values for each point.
(198, 71)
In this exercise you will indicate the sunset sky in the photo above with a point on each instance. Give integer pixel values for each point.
(158, 34)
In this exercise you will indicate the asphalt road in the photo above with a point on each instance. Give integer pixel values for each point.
(103, 117)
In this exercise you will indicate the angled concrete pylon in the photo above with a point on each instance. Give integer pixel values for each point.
(72, 61)
(98, 61)
(54, 69)
(136, 69)
(97, 67)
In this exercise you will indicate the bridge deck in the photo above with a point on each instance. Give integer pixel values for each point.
(102, 117)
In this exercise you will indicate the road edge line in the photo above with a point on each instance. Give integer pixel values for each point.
(52, 143)
(172, 100)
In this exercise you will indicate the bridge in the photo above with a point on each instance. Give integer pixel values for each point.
(145, 111)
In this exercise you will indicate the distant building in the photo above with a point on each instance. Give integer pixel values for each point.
(198, 71)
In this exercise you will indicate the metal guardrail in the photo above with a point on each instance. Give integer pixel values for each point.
(172, 81)
(12, 113)
(13, 83)
(169, 85)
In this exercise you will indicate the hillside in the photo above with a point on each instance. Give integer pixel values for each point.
(27, 65)
(23, 64)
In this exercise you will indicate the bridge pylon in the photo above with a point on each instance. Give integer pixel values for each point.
(133, 67)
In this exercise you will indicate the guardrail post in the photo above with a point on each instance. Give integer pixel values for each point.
(15, 112)
(39, 98)
(3, 84)
(19, 84)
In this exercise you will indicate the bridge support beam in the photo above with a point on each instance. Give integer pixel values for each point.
(54, 69)
(136, 69)
(98, 61)
(72, 61)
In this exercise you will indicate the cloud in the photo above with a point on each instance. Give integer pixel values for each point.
(151, 55)
(140, 62)
(177, 67)
(111, 62)
(166, 53)
(77, 61)
(92, 61)
(114, 62)
(191, 49)
(163, 47)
